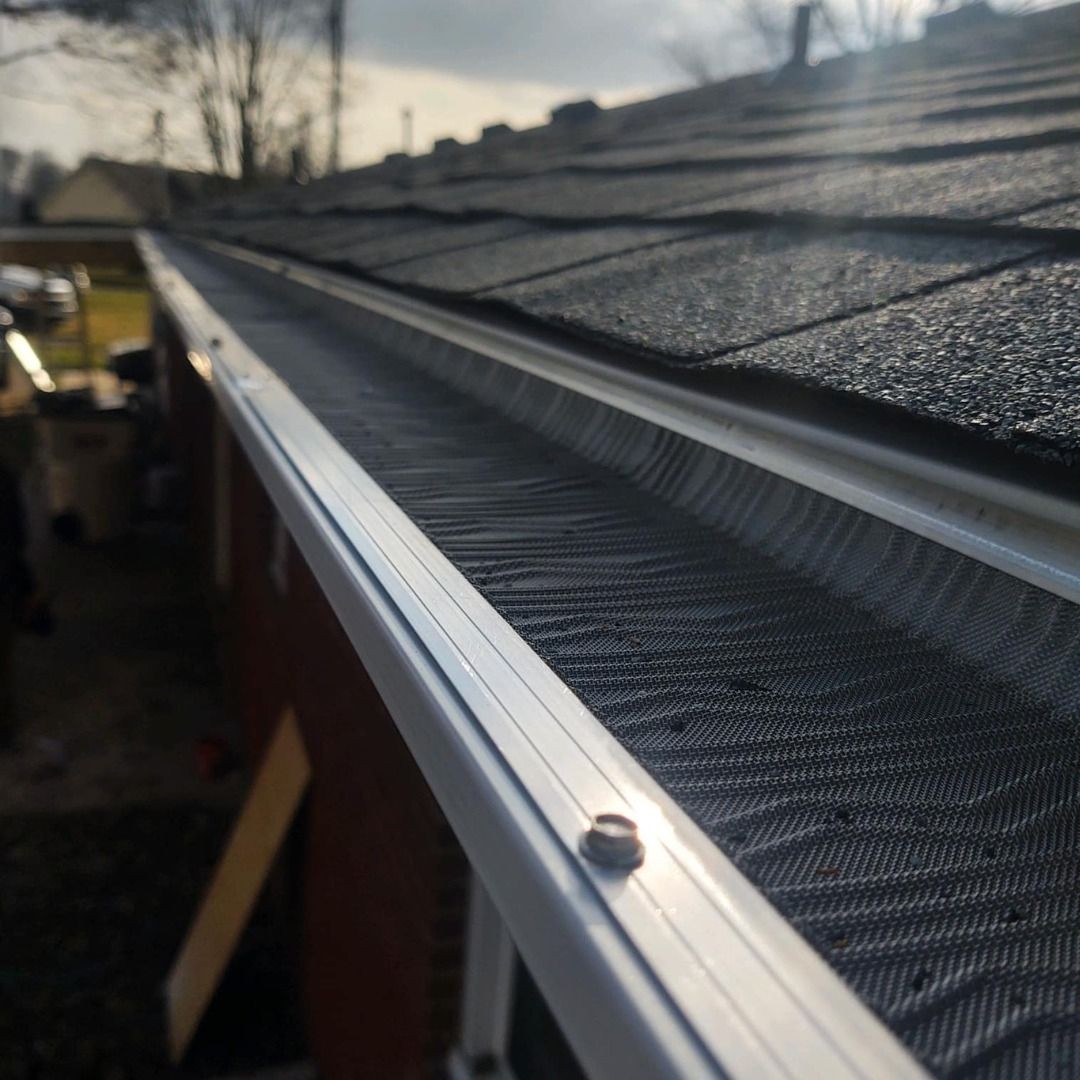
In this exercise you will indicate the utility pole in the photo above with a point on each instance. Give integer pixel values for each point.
(406, 129)
(337, 52)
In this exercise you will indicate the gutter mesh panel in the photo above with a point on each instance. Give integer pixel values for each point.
(912, 807)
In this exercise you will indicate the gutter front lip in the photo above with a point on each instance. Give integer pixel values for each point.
(681, 968)
(1029, 533)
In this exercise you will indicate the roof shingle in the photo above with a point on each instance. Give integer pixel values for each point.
(720, 228)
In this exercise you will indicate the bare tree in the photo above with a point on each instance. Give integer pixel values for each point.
(336, 34)
(761, 32)
(25, 179)
(28, 53)
(767, 26)
(243, 62)
(878, 22)
(245, 73)
(11, 161)
(97, 10)
(769, 22)
(42, 175)
(72, 42)
(696, 59)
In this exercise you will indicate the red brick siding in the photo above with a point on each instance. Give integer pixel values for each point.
(384, 880)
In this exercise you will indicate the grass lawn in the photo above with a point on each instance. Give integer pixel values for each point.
(114, 312)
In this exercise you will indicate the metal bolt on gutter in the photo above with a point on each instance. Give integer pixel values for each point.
(677, 967)
(612, 840)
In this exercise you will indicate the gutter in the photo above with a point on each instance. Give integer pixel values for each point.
(1028, 533)
(678, 968)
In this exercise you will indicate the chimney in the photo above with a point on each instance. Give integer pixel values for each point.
(575, 112)
(445, 145)
(801, 43)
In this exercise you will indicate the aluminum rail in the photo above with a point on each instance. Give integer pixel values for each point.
(677, 969)
(1029, 534)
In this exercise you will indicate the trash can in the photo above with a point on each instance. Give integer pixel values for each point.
(88, 460)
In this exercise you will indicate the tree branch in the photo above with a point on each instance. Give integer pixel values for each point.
(26, 54)
(15, 10)
(109, 11)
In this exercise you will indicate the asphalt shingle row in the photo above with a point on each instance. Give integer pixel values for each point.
(679, 229)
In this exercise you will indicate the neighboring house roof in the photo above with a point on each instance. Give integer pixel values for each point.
(148, 192)
(896, 226)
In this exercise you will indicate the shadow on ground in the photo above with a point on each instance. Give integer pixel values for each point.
(107, 832)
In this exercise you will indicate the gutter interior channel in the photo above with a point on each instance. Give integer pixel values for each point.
(878, 731)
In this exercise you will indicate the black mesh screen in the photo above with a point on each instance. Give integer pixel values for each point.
(913, 814)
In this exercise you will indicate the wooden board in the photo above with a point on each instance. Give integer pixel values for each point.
(238, 880)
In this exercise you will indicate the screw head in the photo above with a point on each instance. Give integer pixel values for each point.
(611, 840)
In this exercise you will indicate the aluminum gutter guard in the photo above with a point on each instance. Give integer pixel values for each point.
(680, 968)
(1032, 535)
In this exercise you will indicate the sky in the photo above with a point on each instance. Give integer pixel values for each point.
(590, 44)
(459, 64)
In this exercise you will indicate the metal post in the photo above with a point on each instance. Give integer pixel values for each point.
(406, 130)
(84, 327)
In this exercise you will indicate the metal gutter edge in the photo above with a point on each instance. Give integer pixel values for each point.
(680, 968)
(1029, 534)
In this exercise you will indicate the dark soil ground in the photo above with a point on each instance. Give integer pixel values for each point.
(107, 833)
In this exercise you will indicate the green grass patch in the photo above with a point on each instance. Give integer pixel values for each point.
(113, 313)
(116, 276)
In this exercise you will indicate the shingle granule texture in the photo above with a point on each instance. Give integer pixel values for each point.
(810, 196)
(692, 300)
(539, 252)
(980, 187)
(999, 357)
(1059, 215)
(914, 816)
